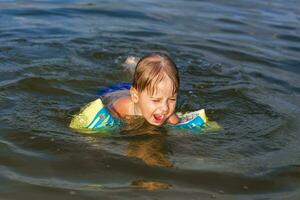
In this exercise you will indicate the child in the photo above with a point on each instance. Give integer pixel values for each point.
(154, 90)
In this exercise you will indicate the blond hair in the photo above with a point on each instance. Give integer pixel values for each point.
(153, 68)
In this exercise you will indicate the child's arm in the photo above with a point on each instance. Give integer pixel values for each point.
(174, 119)
(120, 108)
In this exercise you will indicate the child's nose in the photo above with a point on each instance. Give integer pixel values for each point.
(164, 107)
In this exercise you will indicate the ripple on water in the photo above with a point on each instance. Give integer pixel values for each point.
(42, 86)
(289, 38)
(233, 21)
(284, 27)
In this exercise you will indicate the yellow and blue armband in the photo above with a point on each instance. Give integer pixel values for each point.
(191, 120)
(95, 116)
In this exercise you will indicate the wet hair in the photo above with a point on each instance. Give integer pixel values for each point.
(153, 68)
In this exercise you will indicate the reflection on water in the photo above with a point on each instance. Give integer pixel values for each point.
(146, 142)
(151, 150)
(150, 185)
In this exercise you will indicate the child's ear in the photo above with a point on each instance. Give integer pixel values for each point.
(134, 95)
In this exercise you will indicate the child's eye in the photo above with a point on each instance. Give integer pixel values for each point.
(155, 100)
(173, 99)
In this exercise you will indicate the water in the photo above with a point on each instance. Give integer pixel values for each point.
(237, 59)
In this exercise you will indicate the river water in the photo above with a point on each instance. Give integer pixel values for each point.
(237, 59)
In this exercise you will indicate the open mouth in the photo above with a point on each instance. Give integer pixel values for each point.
(158, 118)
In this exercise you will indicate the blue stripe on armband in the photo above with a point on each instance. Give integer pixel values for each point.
(101, 116)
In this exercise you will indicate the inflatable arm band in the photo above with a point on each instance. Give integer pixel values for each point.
(95, 116)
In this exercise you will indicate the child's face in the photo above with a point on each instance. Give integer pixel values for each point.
(159, 106)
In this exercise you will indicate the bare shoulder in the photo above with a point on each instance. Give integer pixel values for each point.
(121, 107)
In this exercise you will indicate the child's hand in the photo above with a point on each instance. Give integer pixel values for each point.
(174, 119)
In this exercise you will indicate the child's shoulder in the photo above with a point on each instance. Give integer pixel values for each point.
(122, 106)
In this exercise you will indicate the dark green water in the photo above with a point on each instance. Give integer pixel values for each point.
(237, 59)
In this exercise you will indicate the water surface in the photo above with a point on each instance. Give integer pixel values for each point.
(239, 60)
